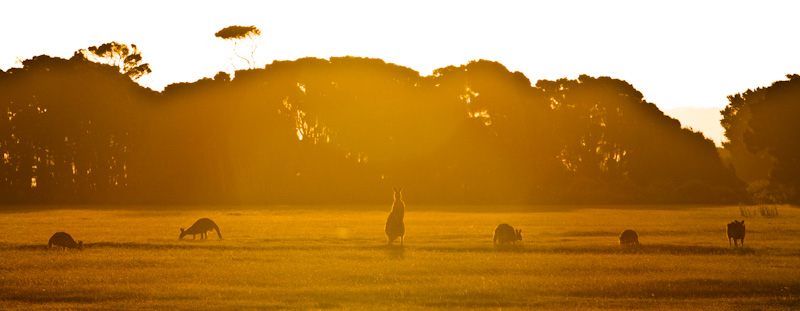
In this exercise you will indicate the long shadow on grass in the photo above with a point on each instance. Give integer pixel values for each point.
(180, 246)
(693, 288)
(660, 249)
(55, 298)
(396, 251)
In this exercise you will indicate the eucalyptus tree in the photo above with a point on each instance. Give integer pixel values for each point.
(127, 59)
(70, 133)
(752, 165)
(773, 128)
(246, 35)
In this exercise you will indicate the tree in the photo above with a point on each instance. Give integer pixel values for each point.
(341, 130)
(128, 59)
(618, 147)
(70, 133)
(752, 167)
(773, 128)
(247, 35)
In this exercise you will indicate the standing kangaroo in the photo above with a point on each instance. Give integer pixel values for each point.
(394, 224)
(201, 227)
(736, 232)
(64, 240)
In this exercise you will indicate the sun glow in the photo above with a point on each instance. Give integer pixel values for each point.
(484, 115)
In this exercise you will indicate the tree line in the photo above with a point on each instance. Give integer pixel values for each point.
(762, 131)
(345, 129)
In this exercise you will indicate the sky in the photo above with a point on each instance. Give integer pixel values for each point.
(677, 53)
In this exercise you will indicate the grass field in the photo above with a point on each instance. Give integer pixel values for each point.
(335, 258)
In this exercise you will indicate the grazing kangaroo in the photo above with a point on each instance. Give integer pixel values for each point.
(628, 237)
(394, 224)
(736, 232)
(505, 233)
(64, 240)
(201, 227)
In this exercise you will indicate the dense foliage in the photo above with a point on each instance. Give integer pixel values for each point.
(344, 130)
(128, 59)
(763, 132)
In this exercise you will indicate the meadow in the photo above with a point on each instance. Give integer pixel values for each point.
(336, 258)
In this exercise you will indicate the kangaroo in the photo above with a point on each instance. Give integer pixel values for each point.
(201, 227)
(505, 233)
(394, 224)
(628, 237)
(736, 232)
(64, 240)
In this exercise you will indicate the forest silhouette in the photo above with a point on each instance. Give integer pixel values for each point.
(344, 130)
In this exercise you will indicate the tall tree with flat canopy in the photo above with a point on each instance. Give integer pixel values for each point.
(247, 35)
(128, 59)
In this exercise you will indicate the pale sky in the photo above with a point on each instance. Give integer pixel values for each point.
(677, 53)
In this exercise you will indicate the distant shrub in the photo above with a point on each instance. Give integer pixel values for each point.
(768, 210)
(763, 192)
(746, 211)
(765, 210)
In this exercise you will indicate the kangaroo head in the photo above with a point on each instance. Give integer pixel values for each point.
(519, 234)
(80, 245)
(182, 233)
(398, 193)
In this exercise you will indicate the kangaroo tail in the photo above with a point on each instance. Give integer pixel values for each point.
(218, 233)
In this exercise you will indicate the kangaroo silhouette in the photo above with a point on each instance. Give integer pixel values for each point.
(505, 233)
(394, 224)
(628, 237)
(201, 227)
(736, 232)
(64, 240)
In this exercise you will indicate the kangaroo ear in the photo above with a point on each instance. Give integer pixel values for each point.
(401, 189)
(181, 230)
(394, 189)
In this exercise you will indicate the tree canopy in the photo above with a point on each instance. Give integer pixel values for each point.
(127, 59)
(341, 130)
(238, 32)
(248, 35)
(762, 131)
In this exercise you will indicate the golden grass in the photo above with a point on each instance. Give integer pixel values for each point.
(319, 258)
